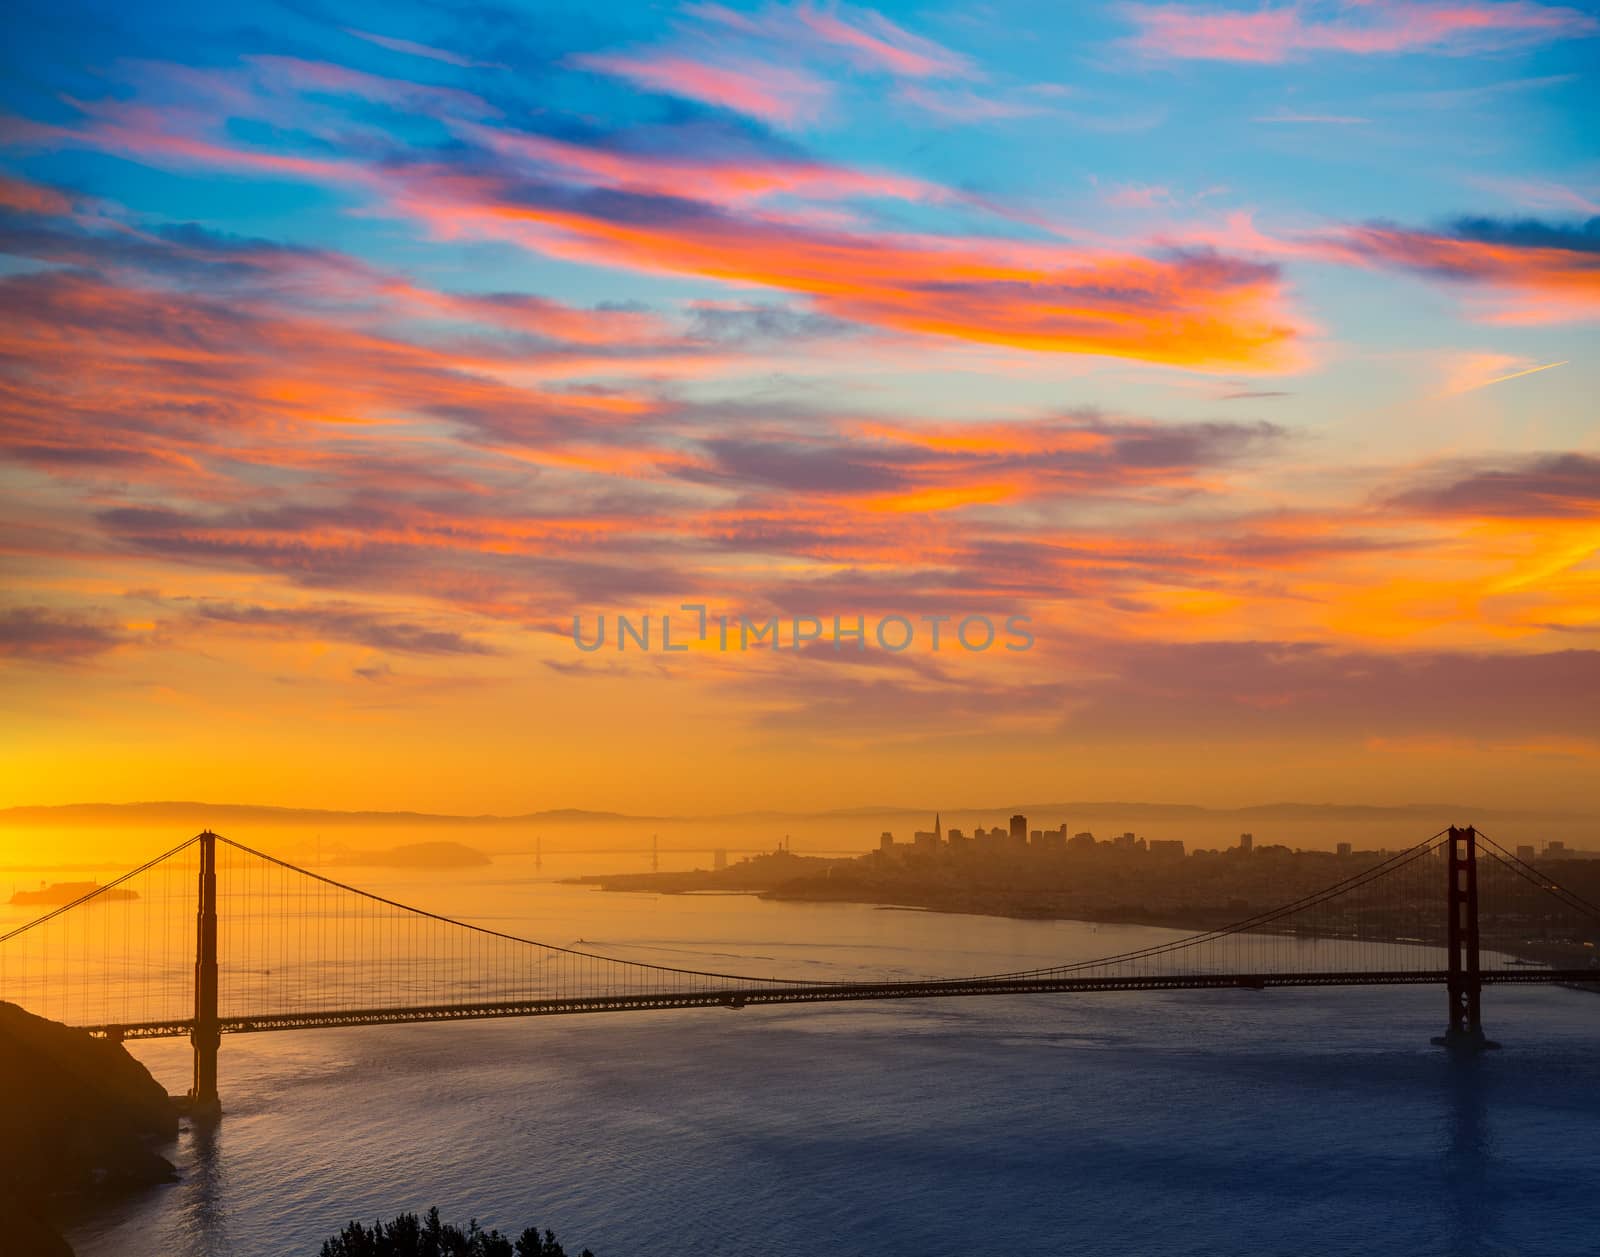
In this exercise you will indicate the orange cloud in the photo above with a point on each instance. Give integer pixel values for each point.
(735, 179)
(97, 349)
(1550, 274)
(1202, 311)
(352, 457)
(1199, 308)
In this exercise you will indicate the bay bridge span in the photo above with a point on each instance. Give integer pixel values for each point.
(215, 937)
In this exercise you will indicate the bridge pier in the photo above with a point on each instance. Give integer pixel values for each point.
(1464, 985)
(204, 1103)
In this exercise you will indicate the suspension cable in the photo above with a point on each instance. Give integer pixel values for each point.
(514, 938)
(1541, 879)
(1388, 865)
(99, 890)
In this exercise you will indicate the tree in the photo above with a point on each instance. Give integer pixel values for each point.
(411, 1236)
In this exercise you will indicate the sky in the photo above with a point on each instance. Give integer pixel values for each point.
(1244, 353)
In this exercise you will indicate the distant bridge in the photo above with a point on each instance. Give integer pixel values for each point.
(278, 947)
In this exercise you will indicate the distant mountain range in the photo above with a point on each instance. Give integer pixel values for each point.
(198, 813)
(190, 812)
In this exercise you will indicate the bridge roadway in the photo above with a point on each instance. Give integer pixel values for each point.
(822, 993)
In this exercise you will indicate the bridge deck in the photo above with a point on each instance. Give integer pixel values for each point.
(815, 994)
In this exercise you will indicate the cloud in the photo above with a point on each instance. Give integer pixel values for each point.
(338, 622)
(962, 104)
(426, 452)
(32, 198)
(1541, 194)
(780, 94)
(868, 40)
(1263, 689)
(234, 406)
(1137, 196)
(293, 279)
(164, 376)
(738, 322)
(1284, 32)
(1545, 272)
(1478, 96)
(875, 42)
(721, 161)
(1110, 690)
(932, 467)
(1195, 309)
(43, 635)
(300, 76)
(875, 696)
(1548, 487)
(782, 64)
(510, 565)
(1531, 233)
(608, 205)
(751, 63)
(413, 49)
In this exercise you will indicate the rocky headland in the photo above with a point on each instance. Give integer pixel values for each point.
(79, 1118)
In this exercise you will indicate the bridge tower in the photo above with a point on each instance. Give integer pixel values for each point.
(206, 1037)
(1465, 975)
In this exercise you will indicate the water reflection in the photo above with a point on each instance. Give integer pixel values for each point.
(1468, 1162)
(204, 1220)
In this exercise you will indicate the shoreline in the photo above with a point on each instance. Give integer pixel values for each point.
(804, 893)
(808, 891)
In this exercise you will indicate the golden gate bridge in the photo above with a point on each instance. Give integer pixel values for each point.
(219, 938)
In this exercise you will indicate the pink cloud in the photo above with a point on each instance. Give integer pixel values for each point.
(870, 40)
(1541, 194)
(751, 62)
(149, 134)
(775, 93)
(1202, 310)
(32, 198)
(1286, 32)
(728, 179)
(875, 41)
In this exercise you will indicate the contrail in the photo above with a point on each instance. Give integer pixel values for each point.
(1501, 379)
